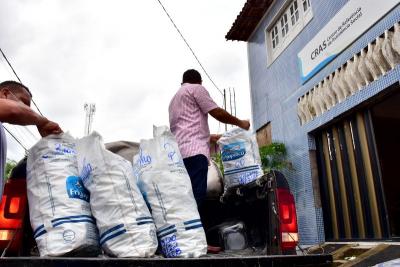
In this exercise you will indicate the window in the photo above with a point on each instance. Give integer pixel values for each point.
(284, 25)
(306, 5)
(294, 13)
(274, 37)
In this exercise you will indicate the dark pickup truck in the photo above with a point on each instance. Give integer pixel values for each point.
(252, 225)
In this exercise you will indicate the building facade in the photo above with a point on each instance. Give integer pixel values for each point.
(341, 188)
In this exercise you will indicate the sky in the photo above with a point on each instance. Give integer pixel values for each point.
(124, 56)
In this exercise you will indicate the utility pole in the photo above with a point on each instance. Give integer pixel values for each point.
(90, 110)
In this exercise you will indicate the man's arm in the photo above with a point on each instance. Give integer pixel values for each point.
(17, 113)
(224, 117)
(14, 112)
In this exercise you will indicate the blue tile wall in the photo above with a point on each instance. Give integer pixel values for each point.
(275, 90)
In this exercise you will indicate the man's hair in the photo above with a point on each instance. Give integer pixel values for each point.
(14, 87)
(191, 76)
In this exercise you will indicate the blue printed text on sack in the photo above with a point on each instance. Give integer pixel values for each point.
(243, 177)
(60, 148)
(248, 177)
(86, 172)
(233, 151)
(75, 188)
(143, 158)
(170, 247)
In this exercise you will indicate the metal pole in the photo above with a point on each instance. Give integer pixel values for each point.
(234, 99)
(230, 100)
(90, 110)
(85, 130)
(226, 126)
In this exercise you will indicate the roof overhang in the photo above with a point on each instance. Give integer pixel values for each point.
(248, 19)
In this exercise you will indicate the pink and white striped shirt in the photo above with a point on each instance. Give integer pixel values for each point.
(188, 119)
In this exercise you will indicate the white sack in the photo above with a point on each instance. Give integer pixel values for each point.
(167, 187)
(240, 157)
(58, 203)
(122, 217)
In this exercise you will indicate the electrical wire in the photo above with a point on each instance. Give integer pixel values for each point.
(194, 54)
(190, 48)
(36, 138)
(16, 75)
(20, 135)
(26, 128)
(16, 139)
(29, 138)
(31, 135)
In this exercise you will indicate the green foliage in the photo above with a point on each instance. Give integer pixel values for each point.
(218, 159)
(274, 157)
(10, 164)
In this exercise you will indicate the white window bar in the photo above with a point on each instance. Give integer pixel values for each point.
(284, 25)
(274, 37)
(294, 12)
(306, 5)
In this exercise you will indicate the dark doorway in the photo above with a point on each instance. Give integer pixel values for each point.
(386, 121)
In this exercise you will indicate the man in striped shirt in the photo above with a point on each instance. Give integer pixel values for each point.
(188, 119)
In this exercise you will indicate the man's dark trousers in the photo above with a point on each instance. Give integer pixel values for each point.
(197, 167)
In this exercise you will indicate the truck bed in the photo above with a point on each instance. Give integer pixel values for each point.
(219, 260)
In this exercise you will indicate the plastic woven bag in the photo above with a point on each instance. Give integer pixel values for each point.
(58, 203)
(122, 217)
(165, 182)
(240, 157)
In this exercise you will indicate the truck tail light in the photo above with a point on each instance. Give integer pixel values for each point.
(287, 219)
(12, 213)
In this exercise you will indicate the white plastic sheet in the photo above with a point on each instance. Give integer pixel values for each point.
(240, 157)
(122, 217)
(166, 184)
(58, 203)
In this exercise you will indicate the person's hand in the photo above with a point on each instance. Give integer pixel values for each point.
(244, 124)
(215, 137)
(49, 127)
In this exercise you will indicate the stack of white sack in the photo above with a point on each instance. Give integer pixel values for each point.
(240, 157)
(122, 217)
(166, 184)
(58, 203)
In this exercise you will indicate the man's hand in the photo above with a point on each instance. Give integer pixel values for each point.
(215, 137)
(244, 124)
(48, 128)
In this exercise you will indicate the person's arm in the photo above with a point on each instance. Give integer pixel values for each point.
(14, 112)
(207, 105)
(221, 115)
(17, 113)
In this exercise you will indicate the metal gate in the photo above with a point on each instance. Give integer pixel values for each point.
(350, 180)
